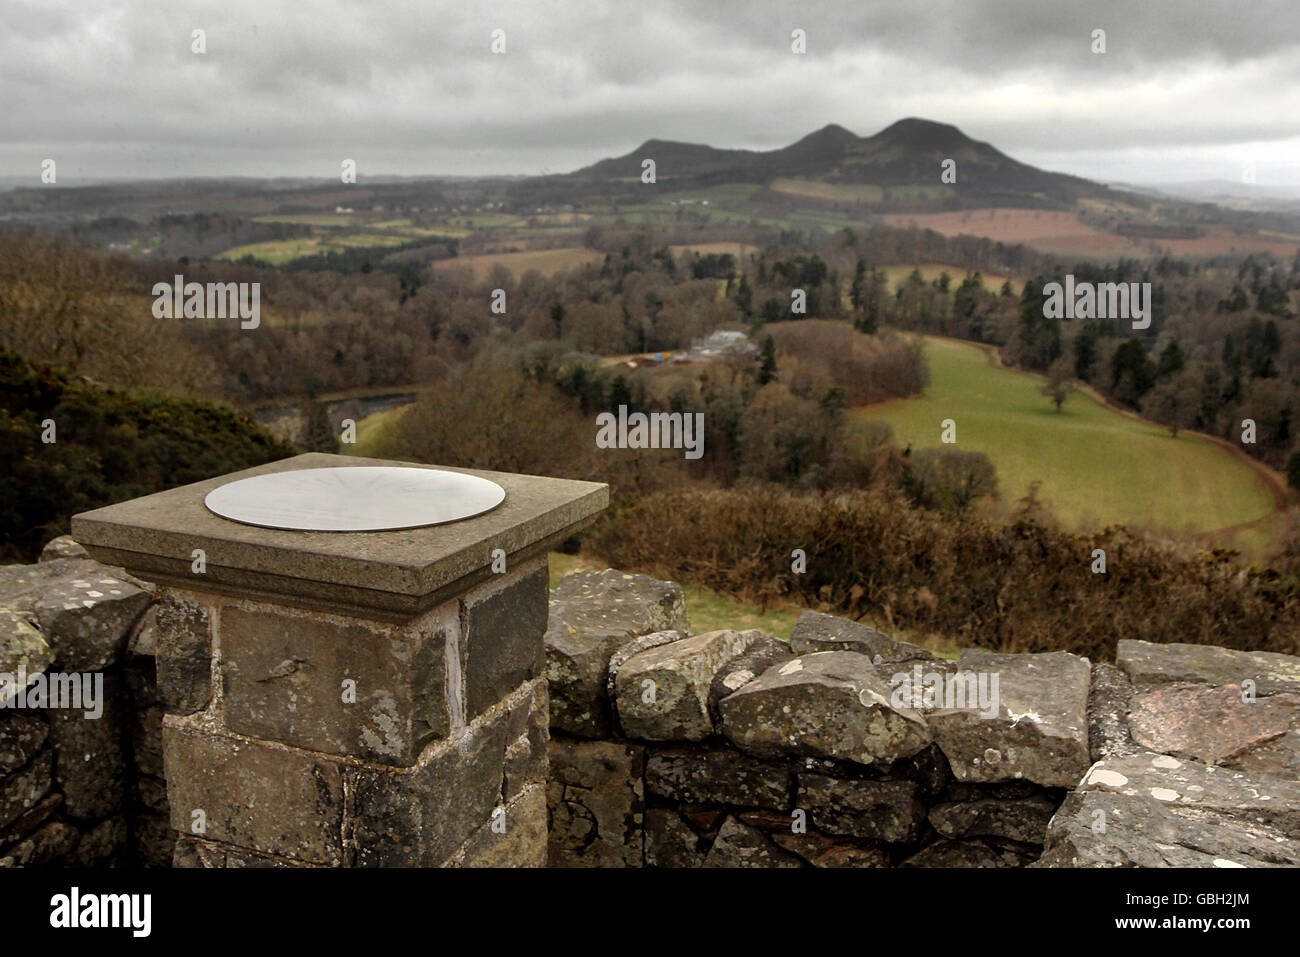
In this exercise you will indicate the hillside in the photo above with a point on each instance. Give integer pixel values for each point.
(106, 445)
(906, 153)
(1094, 463)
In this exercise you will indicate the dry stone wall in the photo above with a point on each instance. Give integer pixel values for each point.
(841, 747)
(81, 777)
(845, 747)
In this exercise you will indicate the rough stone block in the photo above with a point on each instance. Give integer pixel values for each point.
(276, 800)
(1213, 724)
(88, 620)
(1040, 732)
(422, 815)
(929, 769)
(739, 845)
(815, 632)
(1153, 810)
(1108, 703)
(501, 645)
(23, 649)
(22, 586)
(1277, 757)
(592, 614)
(832, 704)
(1015, 819)
(191, 853)
(182, 641)
(283, 678)
(48, 845)
(620, 656)
(24, 824)
(1151, 665)
(669, 841)
(90, 763)
(64, 546)
(764, 653)
(821, 850)
(875, 810)
(675, 705)
(516, 838)
(596, 797)
(714, 775)
(947, 853)
(21, 735)
(23, 789)
(528, 738)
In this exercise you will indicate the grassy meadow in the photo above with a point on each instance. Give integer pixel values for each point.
(1096, 465)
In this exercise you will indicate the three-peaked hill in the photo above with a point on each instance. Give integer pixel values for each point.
(904, 160)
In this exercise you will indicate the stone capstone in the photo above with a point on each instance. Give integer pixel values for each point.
(1039, 732)
(87, 620)
(592, 615)
(1219, 725)
(1150, 665)
(23, 650)
(662, 694)
(1155, 810)
(832, 704)
(815, 631)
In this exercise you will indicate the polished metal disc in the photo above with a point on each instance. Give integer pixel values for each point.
(354, 499)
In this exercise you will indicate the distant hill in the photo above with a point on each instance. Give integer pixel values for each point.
(906, 153)
(1229, 194)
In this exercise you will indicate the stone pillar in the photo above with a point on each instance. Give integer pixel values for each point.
(351, 698)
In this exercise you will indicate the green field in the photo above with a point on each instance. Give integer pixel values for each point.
(275, 251)
(1096, 465)
(372, 429)
(278, 251)
(832, 192)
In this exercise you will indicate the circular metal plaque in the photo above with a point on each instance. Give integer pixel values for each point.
(354, 499)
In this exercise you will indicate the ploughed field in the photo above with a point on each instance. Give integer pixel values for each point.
(1097, 466)
(1066, 234)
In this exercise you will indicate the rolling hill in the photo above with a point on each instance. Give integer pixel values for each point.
(907, 153)
(1096, 465)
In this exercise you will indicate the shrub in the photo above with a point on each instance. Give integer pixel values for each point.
(110, 445)
(1009, 587)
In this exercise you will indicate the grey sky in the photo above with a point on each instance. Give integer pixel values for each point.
(1186, 90)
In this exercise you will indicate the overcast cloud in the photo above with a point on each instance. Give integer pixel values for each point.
(1186, 90)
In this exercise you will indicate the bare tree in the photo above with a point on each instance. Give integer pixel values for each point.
(1060, 381)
